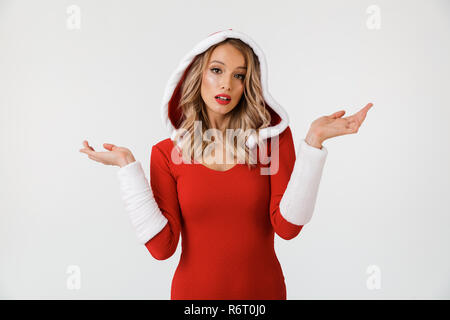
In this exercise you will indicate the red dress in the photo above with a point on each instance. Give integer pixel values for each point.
(227, 220)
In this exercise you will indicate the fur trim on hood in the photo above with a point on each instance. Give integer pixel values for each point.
(170, 112)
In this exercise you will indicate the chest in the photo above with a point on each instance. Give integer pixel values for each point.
(238, 192)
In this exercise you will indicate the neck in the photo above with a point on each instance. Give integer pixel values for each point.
(219, 121)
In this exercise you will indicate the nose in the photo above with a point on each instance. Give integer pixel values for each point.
(226, 85)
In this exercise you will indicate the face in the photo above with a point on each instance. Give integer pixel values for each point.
(224, 74)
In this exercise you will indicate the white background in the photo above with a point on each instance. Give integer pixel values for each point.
(384, 196)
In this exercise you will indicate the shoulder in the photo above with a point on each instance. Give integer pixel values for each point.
(163, 150)
(164, 145)
(286, 134)
(282, 139)
(282, 144)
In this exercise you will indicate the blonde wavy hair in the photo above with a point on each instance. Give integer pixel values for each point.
(249, 113)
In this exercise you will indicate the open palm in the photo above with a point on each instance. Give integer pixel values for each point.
(334, 125)
(115, 156)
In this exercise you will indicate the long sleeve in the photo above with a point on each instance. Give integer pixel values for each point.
(164, 187)
(295, 184)
(153, 208)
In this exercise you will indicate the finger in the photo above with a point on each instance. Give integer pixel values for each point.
(356, 118)
(109, 146)
(87, 151)
(366, 108)
(361, 117)
(101, 156)
(94, 158)
(363, 112)
(369, 105)
(86, 144)
(338, 114)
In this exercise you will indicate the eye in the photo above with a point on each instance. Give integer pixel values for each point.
(242, 76)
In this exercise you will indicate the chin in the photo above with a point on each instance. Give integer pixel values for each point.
(222, 109)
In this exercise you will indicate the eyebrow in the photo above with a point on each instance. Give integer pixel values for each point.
(224, 64)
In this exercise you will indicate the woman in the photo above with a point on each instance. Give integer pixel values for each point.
(227, 211)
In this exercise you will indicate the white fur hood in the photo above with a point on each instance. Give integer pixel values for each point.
(170, 112)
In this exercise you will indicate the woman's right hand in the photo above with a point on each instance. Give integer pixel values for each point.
(115, 156)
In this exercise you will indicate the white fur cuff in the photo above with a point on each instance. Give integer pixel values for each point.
(140, 204)
(298, 201)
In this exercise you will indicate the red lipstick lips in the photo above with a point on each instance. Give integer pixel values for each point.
(224, 98)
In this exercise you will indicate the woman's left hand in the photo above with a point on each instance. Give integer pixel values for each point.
(327, 127)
